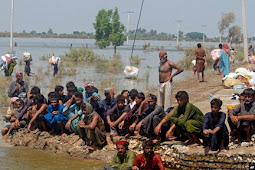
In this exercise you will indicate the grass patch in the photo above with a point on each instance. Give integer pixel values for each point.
(135, 60)
(4, 85)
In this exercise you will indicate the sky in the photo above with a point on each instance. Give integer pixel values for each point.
(66, 16)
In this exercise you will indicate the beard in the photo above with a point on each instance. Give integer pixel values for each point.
(163, 61)
(149, 154)
(248, 102)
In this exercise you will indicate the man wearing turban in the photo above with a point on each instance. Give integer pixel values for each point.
(123, 159)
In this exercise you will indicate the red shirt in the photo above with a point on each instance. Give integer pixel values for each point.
(153, 164)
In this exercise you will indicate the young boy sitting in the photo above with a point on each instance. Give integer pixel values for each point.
(215, 132)
(38, 112)
(54, 118)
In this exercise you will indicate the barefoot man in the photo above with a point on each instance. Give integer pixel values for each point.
(165, 80)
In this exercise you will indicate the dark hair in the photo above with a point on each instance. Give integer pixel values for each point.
(148, 143)
(153, 97)
(133, 93)
(242, 94)
(20, 100)
(216, 102)
(120, 98)
(78, 94)
(123, 91)
(92, 90)
(199, 45)
(182, 95)
(83, 106)
(70, 84)
(58, 88)
(39, 98)
(249, 91)
(220, 45)
(35, 90)
(53, 95)
(141, 95)
(53, 98)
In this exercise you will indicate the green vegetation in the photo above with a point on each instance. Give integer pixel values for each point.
(81, 55)
(108, 29)
(4, 84)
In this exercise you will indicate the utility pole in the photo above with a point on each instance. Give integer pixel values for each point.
(11, 31)
(245, 41)
(128, 12)
(203, 34)
(178, 31)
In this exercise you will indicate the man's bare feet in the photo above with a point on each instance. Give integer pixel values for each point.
(63, 135)
(188, 142)
(193, 145)
(36, 130)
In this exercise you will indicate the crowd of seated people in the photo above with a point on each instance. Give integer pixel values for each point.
(125, 114)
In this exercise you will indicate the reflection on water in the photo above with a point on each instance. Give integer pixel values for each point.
(24, 158)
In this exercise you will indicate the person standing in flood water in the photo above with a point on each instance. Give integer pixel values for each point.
(165, 80)
(200, 61)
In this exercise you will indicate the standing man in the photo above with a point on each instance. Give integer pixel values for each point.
(165, 80)
(200, 61)
(18, 86)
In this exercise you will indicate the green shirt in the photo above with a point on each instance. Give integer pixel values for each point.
(126, 164)
(189, 111)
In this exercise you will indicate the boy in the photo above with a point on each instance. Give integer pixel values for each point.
(54, 118)
(215, 132)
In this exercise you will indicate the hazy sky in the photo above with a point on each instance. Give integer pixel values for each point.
(66, 16)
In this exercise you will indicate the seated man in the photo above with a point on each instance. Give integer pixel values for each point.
(215, 132)
(190, 124)
(154, 114)
(91, 128)
(71, 110)
(54, 118)
(123, 159)
(148, 159)
(22, 117)
(15, 106)
(18, 86)
(107, 103)
(116, 115)
(243, 123)
(38, 112)
(133, 116)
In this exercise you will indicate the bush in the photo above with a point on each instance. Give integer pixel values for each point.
(135, 60)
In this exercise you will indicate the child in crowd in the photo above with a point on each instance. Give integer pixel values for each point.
(215, 132)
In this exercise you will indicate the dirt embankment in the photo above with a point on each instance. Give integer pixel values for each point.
(200, 91)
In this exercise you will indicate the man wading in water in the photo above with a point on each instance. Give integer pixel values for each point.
(165, 80)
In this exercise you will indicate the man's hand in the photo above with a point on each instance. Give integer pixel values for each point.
(16, 123)
(112, 92)
(211, 131)
(135, 168)
(206, 133)
(17, 87)
(121, 124)
(55, 112)
(132, 127)
(234, 119)
(157, 130)
(68, 124)
(112, 125)
(171, 78)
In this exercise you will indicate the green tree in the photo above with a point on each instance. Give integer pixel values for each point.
(117, 36)
(234, 34)
(195, 35)
(50, 31)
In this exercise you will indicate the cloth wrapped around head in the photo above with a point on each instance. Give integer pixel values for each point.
(19, 73)
(88, 85)
(225, 48)
(122, 142)
(163, 53)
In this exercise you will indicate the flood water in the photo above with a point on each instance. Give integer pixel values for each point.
(24, 158)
